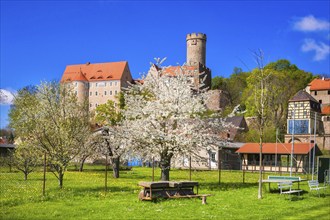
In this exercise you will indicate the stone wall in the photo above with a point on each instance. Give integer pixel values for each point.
(218, 100)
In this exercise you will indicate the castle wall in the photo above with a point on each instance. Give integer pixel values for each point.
(218, 99)
(102, 91)
(321, 96)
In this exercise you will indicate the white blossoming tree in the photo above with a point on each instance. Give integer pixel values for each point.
(51, 118)
(164, 117)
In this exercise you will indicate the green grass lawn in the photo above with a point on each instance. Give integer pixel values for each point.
(83, 197)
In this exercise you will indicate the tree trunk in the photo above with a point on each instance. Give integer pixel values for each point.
(60, 179)
(165, 164)
(25, 175)
(82, 162)
(115, 166)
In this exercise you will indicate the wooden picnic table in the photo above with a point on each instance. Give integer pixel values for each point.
(170, 189)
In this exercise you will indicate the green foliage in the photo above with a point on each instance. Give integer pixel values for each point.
(219, 82)
(269, 135)
(26, 158)
(108, 114)
(83, 197)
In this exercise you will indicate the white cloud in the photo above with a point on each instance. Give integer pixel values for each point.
(310, 23)
(321, 50)
(6, 97)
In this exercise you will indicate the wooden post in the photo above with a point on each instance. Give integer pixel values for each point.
(190, 167)
(44, 180)
(106, 174)
(219, 164)
(153, 169)
(244, 167)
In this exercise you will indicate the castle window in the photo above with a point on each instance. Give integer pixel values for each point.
(96, 105)
(95, 84)
(302, 105)
(116, 92)
(96, 93)
(110, 92)
(90, 105)
(76, 84)
(110, 83)
(75, 92)
(115, 83)
(105, 92)
(320, 101)
(90, 93)
(328, 92)
(315, 92)
(305, 113)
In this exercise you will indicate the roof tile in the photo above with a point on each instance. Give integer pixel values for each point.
(320, 84)
(94, 72)
(273, 148)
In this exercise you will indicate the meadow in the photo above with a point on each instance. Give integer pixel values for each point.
(84, 197)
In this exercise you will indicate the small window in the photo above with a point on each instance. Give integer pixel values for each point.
(90, 93)
(305, 113)
(76, 84)
(96, 93)
(328, 92)
(75, 92)
(320, 101)
(116, 92)
(115, 83)
(213, 157)
(105, 92)
(96, 105)
(105, 84)
(302, 105)
(95, 84)
(110, 92)
(110, 83)
(90, 105)
(315, 92)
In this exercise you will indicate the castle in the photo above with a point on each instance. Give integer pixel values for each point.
(100, 82)
(97, 82)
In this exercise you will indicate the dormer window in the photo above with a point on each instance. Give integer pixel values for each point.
(315, 92)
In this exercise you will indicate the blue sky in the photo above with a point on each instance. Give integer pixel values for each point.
(39, 38)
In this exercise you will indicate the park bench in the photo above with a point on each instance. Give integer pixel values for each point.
(288, 185)
(314, 186)
(171, 190)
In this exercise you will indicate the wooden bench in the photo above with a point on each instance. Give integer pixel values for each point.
(171, 190)
(314, 186)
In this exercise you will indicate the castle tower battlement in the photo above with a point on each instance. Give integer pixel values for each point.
(196, 49)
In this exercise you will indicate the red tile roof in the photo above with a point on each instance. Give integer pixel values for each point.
(94, 72)
(320, 84)
(174, 70)
(325, 110)
(270, 148)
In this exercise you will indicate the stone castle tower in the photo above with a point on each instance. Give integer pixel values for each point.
(196, 49)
